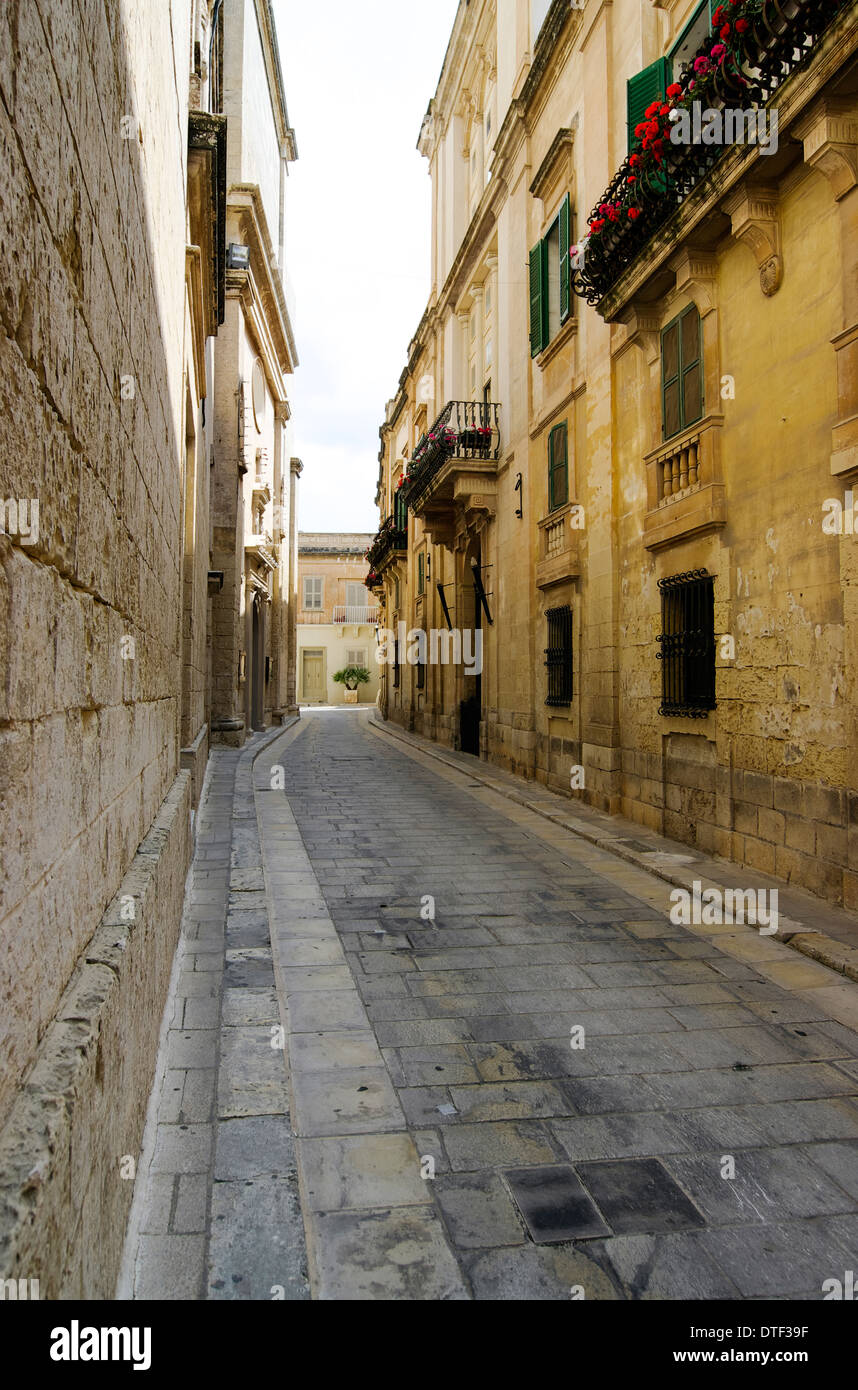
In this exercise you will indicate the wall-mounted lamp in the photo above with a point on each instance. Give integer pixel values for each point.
(519, 511)
(237, 256)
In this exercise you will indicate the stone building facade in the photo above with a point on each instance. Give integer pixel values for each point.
(623, 450)
(253, 472)
(337, 617)
(113, 171)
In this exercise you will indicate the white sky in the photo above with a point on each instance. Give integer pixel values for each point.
(358, 78)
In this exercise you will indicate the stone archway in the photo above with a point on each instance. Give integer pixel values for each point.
(470, 685)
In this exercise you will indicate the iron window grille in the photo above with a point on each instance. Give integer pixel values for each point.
(558, 656)
(687, 644)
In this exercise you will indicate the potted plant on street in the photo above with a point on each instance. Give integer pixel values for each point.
(351, 677)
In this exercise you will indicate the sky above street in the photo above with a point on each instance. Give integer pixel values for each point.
(358, 80)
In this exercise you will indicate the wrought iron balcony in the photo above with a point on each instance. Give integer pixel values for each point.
(741, 75)
(355, 613)
(390, 541)
(466, 436)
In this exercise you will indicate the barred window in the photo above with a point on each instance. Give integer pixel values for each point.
(558, 656)
(687, 644)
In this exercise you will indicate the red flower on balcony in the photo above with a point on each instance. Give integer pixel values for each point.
(742, 26)
(634, 213)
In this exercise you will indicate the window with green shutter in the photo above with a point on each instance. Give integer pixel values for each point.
(565, 227)
(681, 373)
(400, 513)
(538, 317)
(551, 280)
(643, 89)
(558, 468)
(692, 37)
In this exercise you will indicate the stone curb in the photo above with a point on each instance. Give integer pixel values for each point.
(824, 949)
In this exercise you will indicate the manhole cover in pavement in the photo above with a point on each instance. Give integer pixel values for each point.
(554, 1205)
(638, 1196)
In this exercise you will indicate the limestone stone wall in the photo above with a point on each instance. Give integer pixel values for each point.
(93, 141)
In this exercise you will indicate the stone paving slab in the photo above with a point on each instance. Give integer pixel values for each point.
(698, 1043)
(457, 1089)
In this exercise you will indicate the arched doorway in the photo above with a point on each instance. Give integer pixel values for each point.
(471, 705)
(257, 667)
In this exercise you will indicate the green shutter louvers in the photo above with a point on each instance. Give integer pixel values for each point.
(538, 325)
(642, 90)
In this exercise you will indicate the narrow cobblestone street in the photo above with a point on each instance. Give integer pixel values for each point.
(430, 949)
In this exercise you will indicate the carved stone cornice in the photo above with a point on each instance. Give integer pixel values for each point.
(829, 132)
(755, 218)
(559, 151)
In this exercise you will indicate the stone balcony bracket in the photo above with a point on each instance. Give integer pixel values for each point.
(756, 222)
(829, 132)
(637, 327)
(696, 275)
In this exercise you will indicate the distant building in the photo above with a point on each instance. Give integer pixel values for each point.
(337, 617)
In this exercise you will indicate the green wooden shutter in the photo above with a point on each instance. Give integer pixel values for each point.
(538, 326)
(558, 469)
(565, 268)
(692, 366)
(681, 372)
(671, 404)
(643, 89)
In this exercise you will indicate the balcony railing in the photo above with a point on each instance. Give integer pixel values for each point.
(741, 75)
(466, 430)
(348, 613)
(388, 541)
